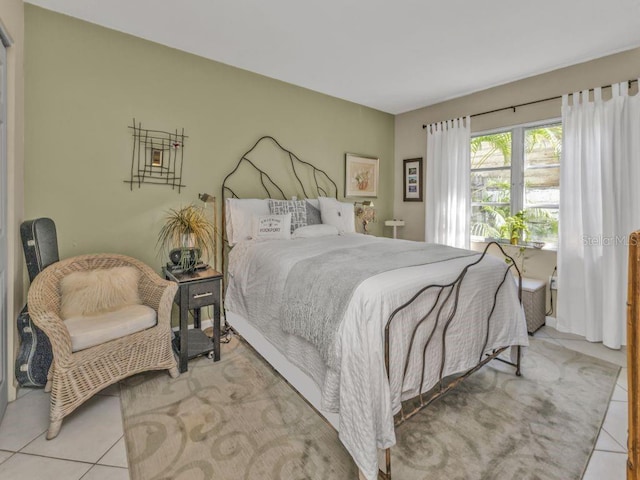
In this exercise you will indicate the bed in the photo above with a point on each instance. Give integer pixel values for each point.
(369, 330)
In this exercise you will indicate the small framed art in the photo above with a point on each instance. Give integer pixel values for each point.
(412, 180)
(361, 176)
(156, 157)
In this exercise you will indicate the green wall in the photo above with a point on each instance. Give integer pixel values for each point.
(84, 85)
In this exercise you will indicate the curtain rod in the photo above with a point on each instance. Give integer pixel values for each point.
(513, 107)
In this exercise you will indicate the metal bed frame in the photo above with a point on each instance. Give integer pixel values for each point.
(325, 186)
(442, 387)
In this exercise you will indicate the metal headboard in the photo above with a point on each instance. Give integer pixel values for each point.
(307, 181)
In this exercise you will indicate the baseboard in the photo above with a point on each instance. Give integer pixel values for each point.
(551, 322)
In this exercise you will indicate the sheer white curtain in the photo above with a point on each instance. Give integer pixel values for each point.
(599, 207)
(448, 206)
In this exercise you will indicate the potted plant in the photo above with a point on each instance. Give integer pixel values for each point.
(514, 227)
(188, 230)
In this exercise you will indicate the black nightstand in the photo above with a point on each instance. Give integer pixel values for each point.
(196, 290)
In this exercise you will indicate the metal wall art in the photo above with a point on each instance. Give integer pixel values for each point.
(157, 157)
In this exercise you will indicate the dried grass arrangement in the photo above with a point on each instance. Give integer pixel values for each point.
(187, 227)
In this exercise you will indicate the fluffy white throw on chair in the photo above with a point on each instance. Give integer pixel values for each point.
(448, 206)
(98, 291)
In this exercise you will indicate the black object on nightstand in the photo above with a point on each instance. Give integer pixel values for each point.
(197, 289)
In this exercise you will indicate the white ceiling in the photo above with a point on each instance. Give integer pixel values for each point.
(392, 55)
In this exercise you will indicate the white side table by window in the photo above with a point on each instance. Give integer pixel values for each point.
(395, 224)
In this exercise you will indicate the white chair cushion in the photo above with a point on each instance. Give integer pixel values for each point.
(96, 329)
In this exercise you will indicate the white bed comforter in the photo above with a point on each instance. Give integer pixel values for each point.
(358, 390)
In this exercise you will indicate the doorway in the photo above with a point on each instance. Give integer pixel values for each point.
(4, 379)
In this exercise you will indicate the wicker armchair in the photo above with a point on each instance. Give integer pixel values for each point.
(76, 376)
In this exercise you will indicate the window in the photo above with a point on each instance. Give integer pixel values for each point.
(517, 169)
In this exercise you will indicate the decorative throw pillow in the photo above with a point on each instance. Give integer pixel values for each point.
(339, 214)
(272, 226)
(314, 202)
(98, 291)
(313, 214)
(296, 208)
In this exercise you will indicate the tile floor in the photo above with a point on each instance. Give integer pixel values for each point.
(90, 445)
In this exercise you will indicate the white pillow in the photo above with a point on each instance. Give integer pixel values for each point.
(339, 214)
(239, 217)
(318, 230)
(272, 226)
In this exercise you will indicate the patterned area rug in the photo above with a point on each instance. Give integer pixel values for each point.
(238, 419)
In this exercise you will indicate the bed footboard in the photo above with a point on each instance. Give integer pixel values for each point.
(446, 293)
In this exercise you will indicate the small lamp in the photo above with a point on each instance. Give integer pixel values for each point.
(206, 198)
(365, 213)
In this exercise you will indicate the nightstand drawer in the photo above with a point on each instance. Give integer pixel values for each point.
(203, 294)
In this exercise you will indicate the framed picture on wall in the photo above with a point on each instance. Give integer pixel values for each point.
(361, 176)
(413, 180)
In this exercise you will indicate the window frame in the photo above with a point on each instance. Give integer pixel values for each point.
(516, 167)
